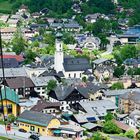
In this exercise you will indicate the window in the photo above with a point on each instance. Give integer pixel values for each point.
(74, 75)
(32, 128)
(69, 74)
(9, 108)
(80, 74)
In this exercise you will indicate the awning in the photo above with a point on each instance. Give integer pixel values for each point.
(57, 131)
(68, 132)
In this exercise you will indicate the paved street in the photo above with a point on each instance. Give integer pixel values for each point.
(16, 135)
(110, 46)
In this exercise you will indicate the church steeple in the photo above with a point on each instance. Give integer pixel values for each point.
(59, 56)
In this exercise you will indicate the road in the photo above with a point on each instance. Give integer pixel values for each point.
(110, 46)
(16, 135)
(119, 138)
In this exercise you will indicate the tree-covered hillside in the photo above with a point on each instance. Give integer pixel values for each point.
(59, 7)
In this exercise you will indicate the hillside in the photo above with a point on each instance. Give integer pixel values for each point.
(63, 7)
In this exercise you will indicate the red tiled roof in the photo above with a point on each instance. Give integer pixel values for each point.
(17, 57)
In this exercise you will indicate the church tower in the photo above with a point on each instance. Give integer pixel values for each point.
(59, 56)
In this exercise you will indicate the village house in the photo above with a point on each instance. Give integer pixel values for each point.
(92, 18)
(13, 73)
(11, 60)
(113, 95)
(7, 33)
(68, 95)
(133, 119)
(27, 103)
(40, 84)
(69, 130)
(22, 85)
(10, 101)
(13, 22)
(37, 122)
(98, 108)
(129, 101)
(47, 107)
(4, 18)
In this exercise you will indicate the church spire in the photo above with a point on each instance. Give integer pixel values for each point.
(59, 56)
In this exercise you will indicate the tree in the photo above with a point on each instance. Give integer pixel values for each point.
(117, 85)
(51, 85)
(130, 134)
(30, 56)
(119, 71)
(11, 118)
(18, 43)
(109, 117)
(111, 128)
(84, 79)
(127, 51)
(69, 39)
(97, 136)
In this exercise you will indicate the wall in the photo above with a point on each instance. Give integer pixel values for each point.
(44, 131)
(15, 108)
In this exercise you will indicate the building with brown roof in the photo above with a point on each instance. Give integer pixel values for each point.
(23, 85)
(47, 107)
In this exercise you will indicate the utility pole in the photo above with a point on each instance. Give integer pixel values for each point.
(3, 81)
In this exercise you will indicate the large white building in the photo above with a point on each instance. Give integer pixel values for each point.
(70, 66)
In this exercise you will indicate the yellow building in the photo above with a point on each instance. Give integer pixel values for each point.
(37, 122)
(10, 102)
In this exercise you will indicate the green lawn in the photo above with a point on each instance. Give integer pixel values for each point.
(4, 138)
(5, 6)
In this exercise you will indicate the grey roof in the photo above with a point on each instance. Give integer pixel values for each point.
(98, 107)
(9, 63)
(96, 86)
(76, 64)
(41, 81)
(62, 92)
(36, 118)
(100, 60)
(90, 126)
(119, 92)
(14, 72)
(127, 36)
(132, 95)
(135, 113)
(103, 68)
(83, 118)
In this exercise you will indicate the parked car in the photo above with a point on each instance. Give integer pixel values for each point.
(22, 130)
(34, 137)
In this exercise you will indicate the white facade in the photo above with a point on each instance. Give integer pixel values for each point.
(65, 104)
(73, 74)
(31, 72)
(59, 56)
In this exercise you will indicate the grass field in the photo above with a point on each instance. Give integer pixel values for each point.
(4, 138)
(5, 6)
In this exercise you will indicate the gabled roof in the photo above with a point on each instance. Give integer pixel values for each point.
(14, 72)
(10, 95)
(76, 64)
(41, 81)
(42, 104)
(90, 126)
(62, 92)
(35, 118)
(19, 82)
(100, 60)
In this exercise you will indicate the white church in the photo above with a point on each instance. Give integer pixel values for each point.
(71, 67)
